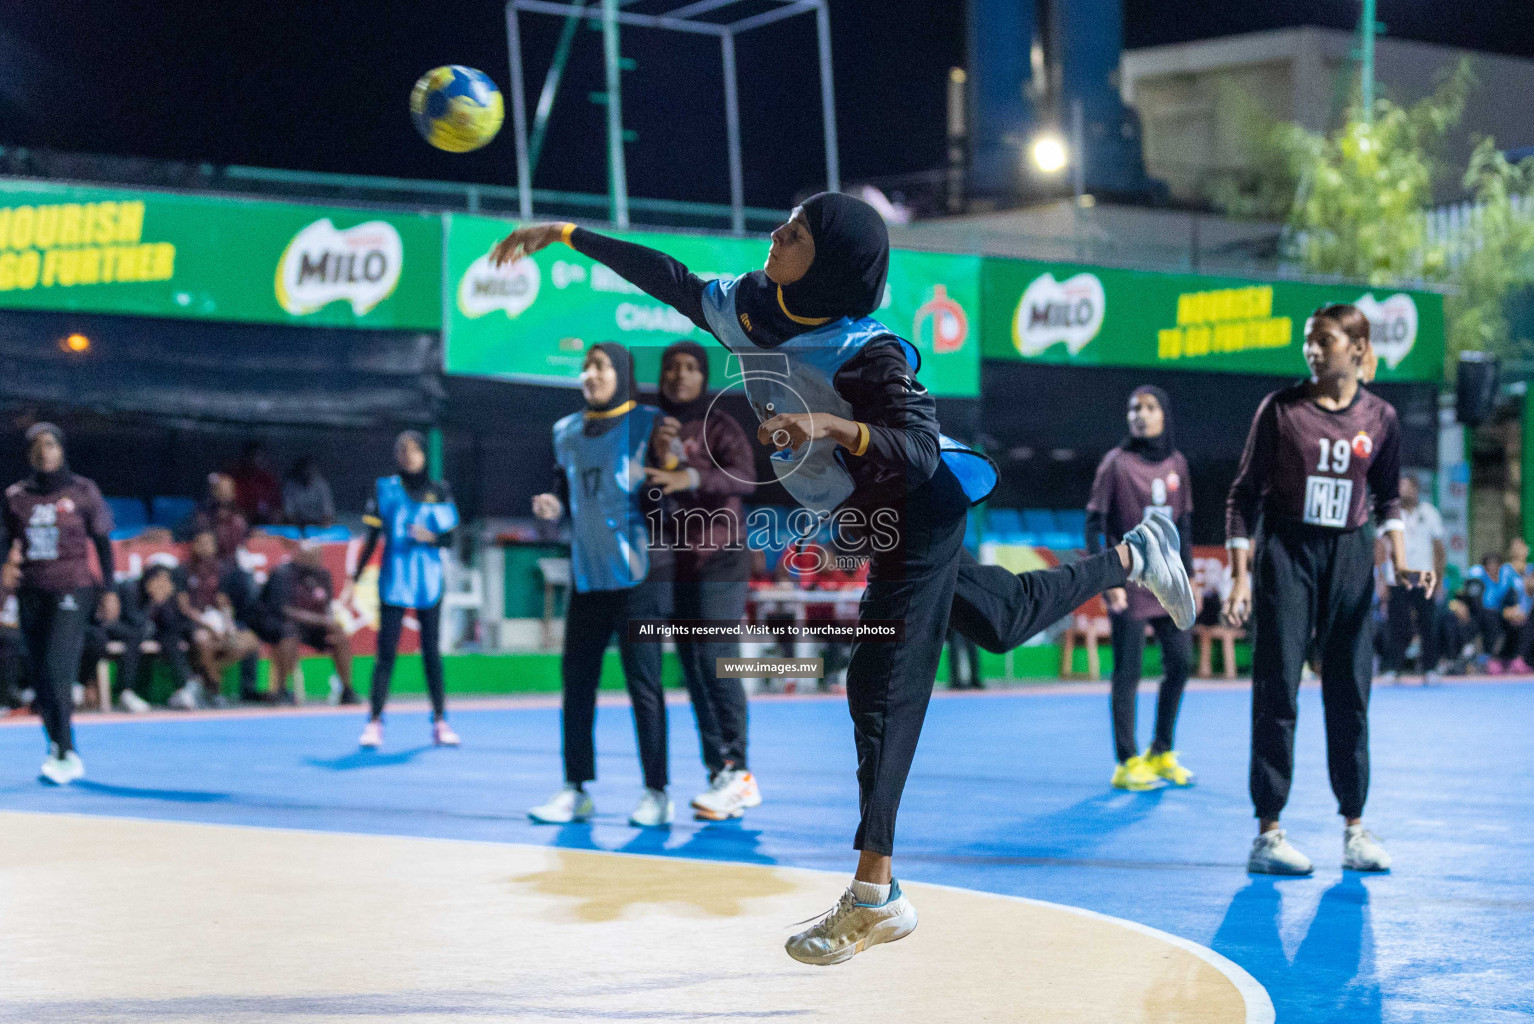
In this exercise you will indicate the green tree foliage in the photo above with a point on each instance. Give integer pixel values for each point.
(1364, 188)
(1355, 202)
(1494, 258)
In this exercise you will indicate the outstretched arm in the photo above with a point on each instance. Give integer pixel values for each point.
(655, 273)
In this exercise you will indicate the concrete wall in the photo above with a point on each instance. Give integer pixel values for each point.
(1201, 103)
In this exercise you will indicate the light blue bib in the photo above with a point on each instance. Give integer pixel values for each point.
(798, 376)
(411, 575)
(609, 537)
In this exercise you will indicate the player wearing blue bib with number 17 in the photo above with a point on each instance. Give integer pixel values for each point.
(857, 442)
(415, 517)
(599, 456)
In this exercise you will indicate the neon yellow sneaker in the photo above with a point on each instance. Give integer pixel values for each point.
(1165, 766)
(1135, 774)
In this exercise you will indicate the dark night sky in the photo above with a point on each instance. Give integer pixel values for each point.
(323, 85)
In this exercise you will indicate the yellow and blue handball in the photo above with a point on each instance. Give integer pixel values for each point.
(457, 109)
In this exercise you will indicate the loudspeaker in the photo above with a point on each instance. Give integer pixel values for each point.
(1475, 387)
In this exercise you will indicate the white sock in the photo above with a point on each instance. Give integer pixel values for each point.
(1136, 564)
(869, 894)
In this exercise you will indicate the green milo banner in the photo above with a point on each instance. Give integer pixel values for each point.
(100, 250)
(534, 321)
(1097, 316)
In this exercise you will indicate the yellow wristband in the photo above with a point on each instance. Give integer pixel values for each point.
(566, 232)
(862, 445)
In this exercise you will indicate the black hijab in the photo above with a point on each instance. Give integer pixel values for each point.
(1152, 449)
(625, 391)
(47, 483)
(414, 482)
(695, 409)
(852, 256)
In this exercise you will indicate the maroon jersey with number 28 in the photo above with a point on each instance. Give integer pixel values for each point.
(1306, 464)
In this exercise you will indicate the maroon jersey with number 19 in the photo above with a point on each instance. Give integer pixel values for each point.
(1306, 464)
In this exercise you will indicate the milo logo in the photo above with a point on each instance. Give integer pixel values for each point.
(485, 288)
(323, 264)
(1392, 326)
(1069, 311)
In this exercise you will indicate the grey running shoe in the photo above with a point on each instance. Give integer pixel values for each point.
(1158, 567)
(1273, 855)
(1362, 850)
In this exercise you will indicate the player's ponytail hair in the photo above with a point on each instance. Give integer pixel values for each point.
(1350, 320)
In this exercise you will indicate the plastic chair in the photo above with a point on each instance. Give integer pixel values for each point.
(1004, 526)
(128, 513)
(171, 510)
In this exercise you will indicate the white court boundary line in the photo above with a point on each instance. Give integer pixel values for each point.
(1259, 1006)
(617, 698)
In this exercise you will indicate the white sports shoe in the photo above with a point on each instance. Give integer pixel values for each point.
(77, 694)
(372, 735)
(132, 703)
(733, 792)
(566, 806)
(851, 927)
(61, 771)
(1158, 567)
(1361, 850)
(654, 810)
(188, 698)
(1273, 855)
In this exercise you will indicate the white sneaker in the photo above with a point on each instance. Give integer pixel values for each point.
(372, 735)
(132, 703)
(1272, 855)
(188, 698)
(851, 927)
(61, 771)
(1388, 678)
(566, 806)
(1157, 557)
(1361, 850)
(55, 770)
(1432, 678)
(733, 792)
(77, 693)
(654, 810)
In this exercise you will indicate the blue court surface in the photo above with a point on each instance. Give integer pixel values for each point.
(1009, 795)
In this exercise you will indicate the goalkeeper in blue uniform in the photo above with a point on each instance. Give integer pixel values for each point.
(415, 517)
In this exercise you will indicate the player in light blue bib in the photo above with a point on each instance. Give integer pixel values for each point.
(856, 441)
(415, 517)
(599, 456)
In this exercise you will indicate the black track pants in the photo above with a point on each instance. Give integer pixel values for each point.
(53, 626)
(1128, 650)
(590, 622)
(928, 581)
(1407, 604)
(391, 620)
(719, 705)
(1311, 582)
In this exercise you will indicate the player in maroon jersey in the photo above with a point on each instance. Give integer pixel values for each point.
(1144, 473)
(58, 518)
(1320, 456)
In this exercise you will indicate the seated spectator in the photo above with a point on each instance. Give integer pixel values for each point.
(220, 513)
(1490, 604)
(212, 586)
(257, 489)
(306, 498)
(150, 624)
(297, 611)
